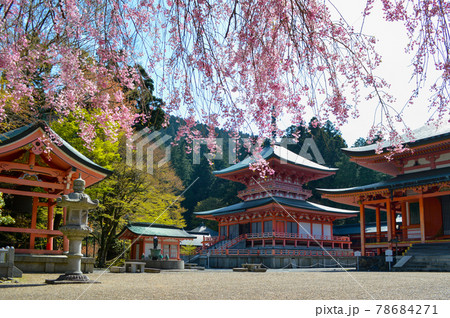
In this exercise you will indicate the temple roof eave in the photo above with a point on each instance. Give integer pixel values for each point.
(401, 182)
(424, 135)
(248, 206)
(280, 153)
(17, 138)
(148, 229)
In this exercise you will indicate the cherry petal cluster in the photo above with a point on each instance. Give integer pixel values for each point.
(235, 64)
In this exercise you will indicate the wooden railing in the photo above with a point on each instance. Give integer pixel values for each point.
(210, 241)
(282, 235)
(277, 252)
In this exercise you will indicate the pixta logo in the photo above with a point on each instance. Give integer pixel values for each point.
(145, 144)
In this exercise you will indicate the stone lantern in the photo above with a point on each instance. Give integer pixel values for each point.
(77, 205)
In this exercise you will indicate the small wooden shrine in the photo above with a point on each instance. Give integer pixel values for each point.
(419, 191)
(275, 216)
(34, 172)
(142, 234)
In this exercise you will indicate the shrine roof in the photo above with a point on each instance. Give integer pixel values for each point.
(421, 136)
(160, 230)
(302, 204)
(401, 181)
(279, 153)
(16, 135)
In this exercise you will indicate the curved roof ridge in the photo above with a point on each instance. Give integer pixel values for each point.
(281, 153)
(19, 133)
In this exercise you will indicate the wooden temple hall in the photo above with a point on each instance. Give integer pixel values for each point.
(418, 193)
(275, 219)
(34, 172)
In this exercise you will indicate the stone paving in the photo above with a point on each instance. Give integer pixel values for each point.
(314, 284)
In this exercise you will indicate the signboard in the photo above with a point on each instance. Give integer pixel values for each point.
(357, 253)
(389, 257)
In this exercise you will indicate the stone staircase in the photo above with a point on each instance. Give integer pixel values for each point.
(237, 242)
(427, 258)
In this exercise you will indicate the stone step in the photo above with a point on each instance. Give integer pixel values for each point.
(117, 269)
(240, 269)
(260, 270)
(152, 270)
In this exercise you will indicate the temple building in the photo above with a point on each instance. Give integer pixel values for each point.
(142, 234)
(275, 218)
(419, 192)
(34, 172)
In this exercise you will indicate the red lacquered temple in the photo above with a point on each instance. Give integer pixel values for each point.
(275, 218)
(419, 192)
(34, 172)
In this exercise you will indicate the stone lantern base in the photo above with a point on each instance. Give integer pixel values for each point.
(71, 279)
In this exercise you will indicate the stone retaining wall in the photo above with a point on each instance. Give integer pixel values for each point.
(275, 261)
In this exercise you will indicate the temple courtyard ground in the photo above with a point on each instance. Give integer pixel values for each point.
(314, 284)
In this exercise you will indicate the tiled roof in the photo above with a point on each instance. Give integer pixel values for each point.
(19, 133)
(399, 182)
(302, 204)
(423, 135)
(160, 230)
(280, 153)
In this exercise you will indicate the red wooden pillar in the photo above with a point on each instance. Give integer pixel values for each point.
(33, 220)
(362, 221)
(422, 219)
(377, 216)
(50, 223)
(65, 239)
(141, 248)
(178, 250)
(404, 229)
(389, 221)
(394, 223)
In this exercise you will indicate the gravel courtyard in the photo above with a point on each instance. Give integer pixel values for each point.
(226, 284)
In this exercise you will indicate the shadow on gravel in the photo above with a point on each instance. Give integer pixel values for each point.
(21, 285)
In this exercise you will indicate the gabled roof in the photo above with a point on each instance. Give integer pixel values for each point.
(280, 153)
(424, 135)
(16, 135)
(152, 229)
(401, 181)
(244, 206)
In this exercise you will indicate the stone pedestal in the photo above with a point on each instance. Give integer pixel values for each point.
(77, 205)
(155, 254)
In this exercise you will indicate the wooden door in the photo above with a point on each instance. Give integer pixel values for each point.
(280, 227)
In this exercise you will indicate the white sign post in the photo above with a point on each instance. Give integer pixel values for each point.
(389, 258)
(357, 254)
